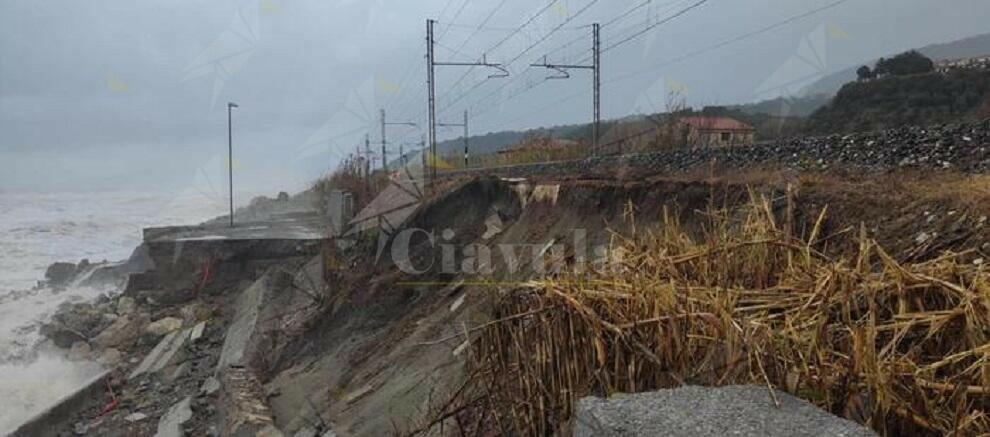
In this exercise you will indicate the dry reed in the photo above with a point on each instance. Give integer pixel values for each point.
(901, 348)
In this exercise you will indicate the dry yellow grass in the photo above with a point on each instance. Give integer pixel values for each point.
(902, 348)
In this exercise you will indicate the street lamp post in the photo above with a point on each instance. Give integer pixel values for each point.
(230, 158)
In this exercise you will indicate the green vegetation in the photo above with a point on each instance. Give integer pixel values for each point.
(897, 100)
(904, 64)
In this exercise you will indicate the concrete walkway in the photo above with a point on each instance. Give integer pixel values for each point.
(289, 226)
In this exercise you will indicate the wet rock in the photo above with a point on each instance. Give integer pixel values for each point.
(210, 386)
(171, 423)
(194, 312)
(135, 417)
(126, 305)
(61, 336)
(123, 333)
(72, 323)
(109, 357)
(163, 326)
(60, 274)
(80, 428)
(197, 331)
(80, 351)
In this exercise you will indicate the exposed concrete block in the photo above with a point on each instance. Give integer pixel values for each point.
(164, 354)
(170, 424)
(244, 325)
(694, 411)
(340, 207)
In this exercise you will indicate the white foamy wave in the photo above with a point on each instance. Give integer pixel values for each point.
(30, 388)
(36, 230)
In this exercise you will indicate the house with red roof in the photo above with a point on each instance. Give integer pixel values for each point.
(717, 131)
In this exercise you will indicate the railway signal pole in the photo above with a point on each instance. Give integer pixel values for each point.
(384, 142)
(431, 87)
(230, 157)
(596, 68)
(465, 126)
(367, 162)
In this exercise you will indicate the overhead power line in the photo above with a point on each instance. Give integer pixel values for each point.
(520, 55)
(654, 25)
(729, 41)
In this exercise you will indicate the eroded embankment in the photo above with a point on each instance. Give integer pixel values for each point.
(393, 344)
(376, 339)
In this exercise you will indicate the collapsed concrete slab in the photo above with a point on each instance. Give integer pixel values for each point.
(167, 352)
(244, 325)
(170, 425)
(707, 411)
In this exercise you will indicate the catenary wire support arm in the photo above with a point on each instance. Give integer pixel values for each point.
(385, 124)
(560, 71)
(466, 141)
(432, 63)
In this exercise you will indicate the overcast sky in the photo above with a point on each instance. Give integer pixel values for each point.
(101, 94)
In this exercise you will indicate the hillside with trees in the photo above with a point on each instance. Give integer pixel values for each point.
(903, 90)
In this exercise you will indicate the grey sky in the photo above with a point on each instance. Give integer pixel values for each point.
(107, 94)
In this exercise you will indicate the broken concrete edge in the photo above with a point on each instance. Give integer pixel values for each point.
(170, 424)
(63, 410)
(244, 324)
(163, 353)
(243, 407)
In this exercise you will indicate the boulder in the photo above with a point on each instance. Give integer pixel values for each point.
(109, 357)
(195, 312)
(163, 326)
(74, 322)
(80, 351)
(126, 305)
(60, 335)
(60, 274)
(123, 333)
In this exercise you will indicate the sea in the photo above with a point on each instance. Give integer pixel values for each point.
(39, 229)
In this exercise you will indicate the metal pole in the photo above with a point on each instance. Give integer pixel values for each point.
(402, 155)
(598, 86)
(367, 161)
(422, 150)
(465, 138)
(384, 157)
(431, 93)
(230, 160)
